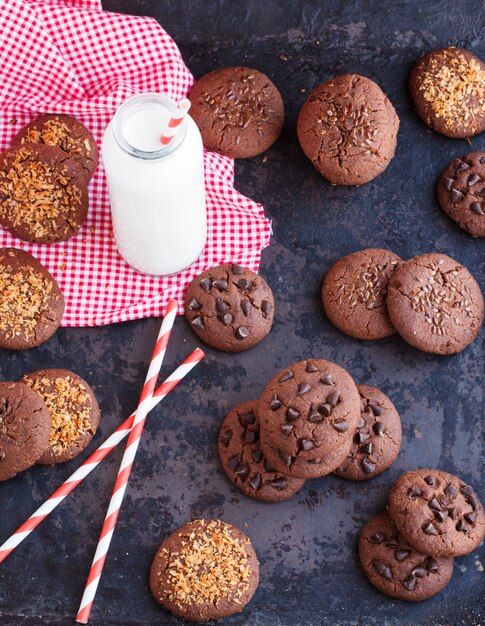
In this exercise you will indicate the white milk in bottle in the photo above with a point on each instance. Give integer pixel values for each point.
(157, 192)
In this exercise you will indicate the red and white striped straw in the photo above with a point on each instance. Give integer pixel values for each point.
(126, 465)
(177, 118)
(98, 455)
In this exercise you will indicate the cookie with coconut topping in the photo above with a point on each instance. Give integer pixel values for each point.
(435, 304)
(206, 570)
(238, 110)
(31, 303)
(43, 193)
(65, 132)
(448, 90)
(73, 410)
(354, 293)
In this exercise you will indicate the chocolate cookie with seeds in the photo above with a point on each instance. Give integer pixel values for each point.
(377, 438)
(24, 428)
(243, 460)
(238, 110)
(206, 570)
(395, 567)
(348, 129)
(435, 304)
(448, 90)
(354, 293)
(31, 303)
(73, 410)
(461, 192)
(43, 193)
(308, 414)
(229, 307)
(437, 512)
(65, 132)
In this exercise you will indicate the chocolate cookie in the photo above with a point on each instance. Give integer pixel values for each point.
(43, 193)
(238, 110)
(65, 132)
(205, 570)
(448, 90)
(243, 460)
(354, 293)
(73, 410)
(31, 303)
(24, 428)
(437, 512)
(396, 568)
(461, 192)
(377, 438)
(229, 307)
(308, 414)
(435, 304)
(348, 129)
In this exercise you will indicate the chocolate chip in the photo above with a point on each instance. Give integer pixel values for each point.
(255, 481)
(409, 583)
(311, 368)
(461, 167)
(448, 183)
(198, 323)
(226, 437)
(431, 564)
(414, 492)
(220, 284)
(429, 529)
(434, 504)
(257, 455)
(360, 437)
(382, 569)
(227, 319)
(206, 284)
(242, 333)
(325, 409)
(419, 571)
(233, 462)
(279, 483)
(361, 422)
(452, 513)
(368, 466)
(265, 308)
(195, 305)
(304, 388)
(333, 398)
(292, 414)
(327, 379)
(247, 418)
(244, 283)
(245, 306)
(441, 515)
(456, 195)
(286, 458)
(221, 306)
(378, 537)
(367, 448)
(461, 526)
(237, 270)
(471, 517)
(287, 375)
(286, 429)
(450, 491)
(376, 409)
(379, 428)
(401, 554)
(431, 480)
(306, 444)
(250, 436)
(315, 417)
(393, 541)
(341, 426)
(242, 470)
(476, 207)
(274, 403)
(268, 467)
(473, 179)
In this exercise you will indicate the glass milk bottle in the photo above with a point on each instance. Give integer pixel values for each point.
(157, 192)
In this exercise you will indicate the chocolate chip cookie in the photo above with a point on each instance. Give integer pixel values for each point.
(31, 303)
(308, 414)
(348, 129)
(73, 409)
(448, 90)
(238, 110)
(243, 460)
(377, 438)
(435, 304)
(354, 293)
(396, 568)
(43, 193)
(437, 512)
(461, 192)
(206, 570)
(65, 132)
(24, 428)
(229, 307)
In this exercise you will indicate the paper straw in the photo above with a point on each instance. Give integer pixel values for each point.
(98, 455)
(126, 465)
(177, 118)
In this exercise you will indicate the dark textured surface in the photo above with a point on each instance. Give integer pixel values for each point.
(307, 546)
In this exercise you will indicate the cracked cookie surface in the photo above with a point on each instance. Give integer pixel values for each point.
(238, 110)
(395, 567)
(348, 129)
(354, 293)
(435, 304)
(229, 307)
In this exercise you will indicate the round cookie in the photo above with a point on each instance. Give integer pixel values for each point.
(348, 129)
(377, 438)
(31, 303)
(65, 132)
(354, 293)
(206, 570)
(396, 568)
(448, 90)
(243, 460)
(24, 428)
(73, 410)
(437, 512)
(229, 307)
(238, 110)
(43, 193)
(461, 192)
(435, 304)
(308, 414)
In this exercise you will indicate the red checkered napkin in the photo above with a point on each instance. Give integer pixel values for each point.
(71, 57)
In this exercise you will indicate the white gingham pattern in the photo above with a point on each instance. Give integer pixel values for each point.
(61, 56)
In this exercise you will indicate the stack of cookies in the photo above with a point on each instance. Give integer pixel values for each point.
(407, 552)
